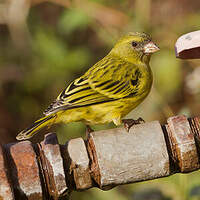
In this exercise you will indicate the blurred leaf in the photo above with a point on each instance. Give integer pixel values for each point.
(53, 60)
(50, 48)
(72, 20)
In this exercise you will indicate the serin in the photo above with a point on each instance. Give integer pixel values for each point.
(108, 91)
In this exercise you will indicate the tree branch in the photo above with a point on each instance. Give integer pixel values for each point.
(105, 159)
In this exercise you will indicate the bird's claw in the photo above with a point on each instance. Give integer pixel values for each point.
(88, 130)
(128, 123)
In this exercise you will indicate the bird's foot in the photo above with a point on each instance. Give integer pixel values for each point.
(88, 130)
(128, 123)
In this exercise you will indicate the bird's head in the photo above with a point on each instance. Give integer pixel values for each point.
(135, 47)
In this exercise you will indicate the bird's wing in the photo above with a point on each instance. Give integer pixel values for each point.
(115, 78)
(106, 81)
(78, 94)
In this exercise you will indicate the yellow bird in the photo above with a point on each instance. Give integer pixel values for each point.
(108, 91)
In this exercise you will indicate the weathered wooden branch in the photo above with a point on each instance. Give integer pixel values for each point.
(105, 159)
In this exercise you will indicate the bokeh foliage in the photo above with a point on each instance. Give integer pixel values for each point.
(65, 42)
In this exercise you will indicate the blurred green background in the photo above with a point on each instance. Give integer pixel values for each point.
(64, 41)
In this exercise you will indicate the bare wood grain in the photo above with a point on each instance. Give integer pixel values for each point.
(123, 157)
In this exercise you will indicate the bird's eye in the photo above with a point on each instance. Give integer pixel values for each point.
(134, 44)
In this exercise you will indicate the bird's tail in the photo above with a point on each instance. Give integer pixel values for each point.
(36, 126)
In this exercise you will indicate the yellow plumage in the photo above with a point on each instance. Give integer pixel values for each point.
(108, 91)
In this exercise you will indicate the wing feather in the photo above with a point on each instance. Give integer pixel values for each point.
(121, 79)
(106, 81)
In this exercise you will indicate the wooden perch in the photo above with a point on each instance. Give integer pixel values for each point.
(105, 159)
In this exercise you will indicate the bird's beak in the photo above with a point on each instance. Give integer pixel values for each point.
(150, 48)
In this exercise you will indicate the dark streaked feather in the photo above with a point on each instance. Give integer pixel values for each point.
(102, 88)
